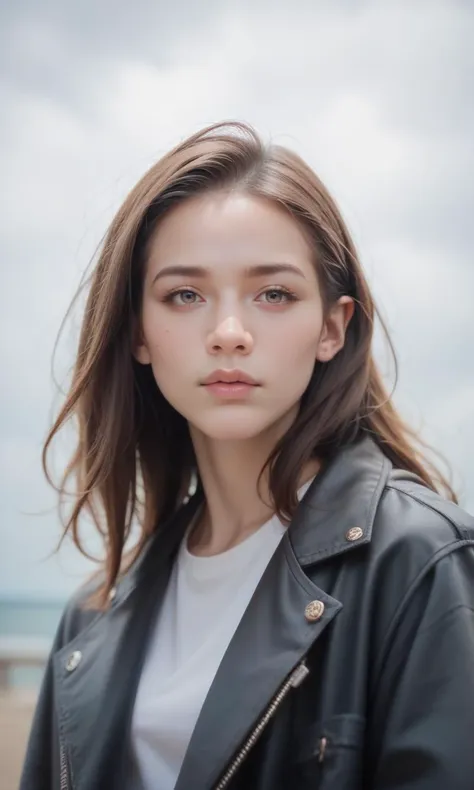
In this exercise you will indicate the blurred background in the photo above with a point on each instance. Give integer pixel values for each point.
(377, 96)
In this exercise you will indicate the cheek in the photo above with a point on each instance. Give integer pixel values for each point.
(164, 339)
(295, 358)
(297, 341)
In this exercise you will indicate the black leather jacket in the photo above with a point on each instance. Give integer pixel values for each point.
(352, 668)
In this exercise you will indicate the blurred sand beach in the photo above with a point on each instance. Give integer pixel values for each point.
(16, 711)
(27, 627)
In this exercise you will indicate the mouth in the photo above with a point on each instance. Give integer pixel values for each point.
(232, 384)
(234, 377)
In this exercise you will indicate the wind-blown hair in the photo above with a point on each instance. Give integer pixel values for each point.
(134, 461)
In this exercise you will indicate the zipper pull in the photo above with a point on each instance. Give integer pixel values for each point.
(323, 742)
(298, 675)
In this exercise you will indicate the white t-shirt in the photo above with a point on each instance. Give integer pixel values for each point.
(203, 605)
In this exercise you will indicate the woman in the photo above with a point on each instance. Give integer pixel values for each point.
(298, 610)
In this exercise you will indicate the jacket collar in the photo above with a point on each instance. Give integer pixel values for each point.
(335, 515)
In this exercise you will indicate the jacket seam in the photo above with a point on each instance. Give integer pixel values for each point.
(444, 551)
(457, 530)
(459, 606)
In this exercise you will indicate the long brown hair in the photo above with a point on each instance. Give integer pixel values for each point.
(134, 461)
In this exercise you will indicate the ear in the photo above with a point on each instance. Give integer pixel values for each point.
(142, 355)
(139, 347)
(333, 333)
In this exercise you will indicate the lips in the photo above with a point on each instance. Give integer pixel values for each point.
(230, 377)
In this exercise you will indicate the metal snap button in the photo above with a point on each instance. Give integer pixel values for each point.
(353, 534)
(73, 660)
(314, 611)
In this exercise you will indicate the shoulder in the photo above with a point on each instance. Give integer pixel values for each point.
(414, 529)
(412, 517)
(422, 552)
(421, 569)
(77, 614)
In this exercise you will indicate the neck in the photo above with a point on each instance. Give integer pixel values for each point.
(235, 506)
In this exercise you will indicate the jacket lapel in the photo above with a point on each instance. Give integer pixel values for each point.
(94, 699)
(338, 511)
(336, 515)
(96, 674)
(272, 637)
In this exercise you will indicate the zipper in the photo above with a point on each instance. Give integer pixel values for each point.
(293, 681)
(64, 772)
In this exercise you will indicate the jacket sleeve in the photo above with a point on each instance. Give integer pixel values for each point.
(41, 767)
(41, 764)
(422, 733)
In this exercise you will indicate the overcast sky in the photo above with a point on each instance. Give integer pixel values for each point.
(377, 96)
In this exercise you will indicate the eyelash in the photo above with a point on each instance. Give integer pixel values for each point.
(290, 295)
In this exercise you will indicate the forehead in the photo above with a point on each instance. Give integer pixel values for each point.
(228, 229)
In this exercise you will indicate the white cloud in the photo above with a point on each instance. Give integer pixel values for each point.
(374, 95)
(431, 289)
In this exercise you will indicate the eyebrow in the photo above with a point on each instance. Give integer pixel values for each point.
(260, 270)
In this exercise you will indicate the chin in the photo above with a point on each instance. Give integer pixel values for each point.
(237, 427)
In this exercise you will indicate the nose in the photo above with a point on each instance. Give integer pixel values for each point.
(230, 337)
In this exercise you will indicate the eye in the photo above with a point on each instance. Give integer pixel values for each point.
(277, 296)
(183, 297)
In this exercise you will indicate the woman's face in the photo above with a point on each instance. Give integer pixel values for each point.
(232, 315)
